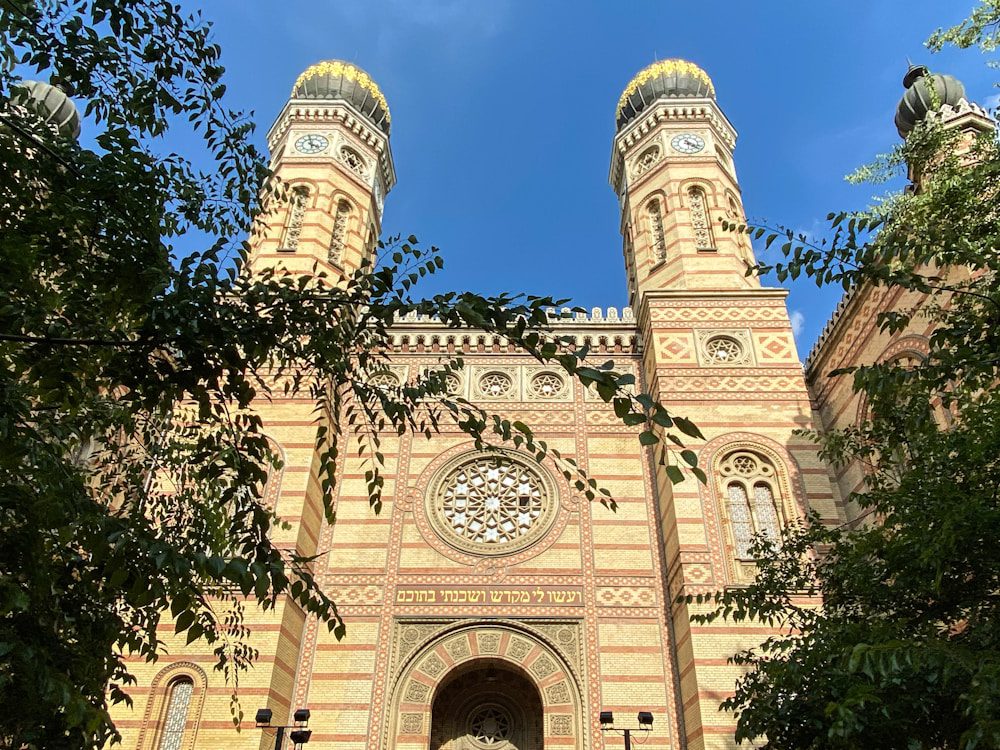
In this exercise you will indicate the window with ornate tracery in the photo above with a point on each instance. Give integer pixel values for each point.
(296, 215)
(352, 160)
(339, 236)
(752, 499)
(659, 242)
(175, 719)
(700, 221)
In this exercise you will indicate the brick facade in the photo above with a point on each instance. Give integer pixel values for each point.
(582, 619)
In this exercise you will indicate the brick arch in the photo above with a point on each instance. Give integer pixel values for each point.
(506, 643)
(158, 697)
(789, 479)
(910, 344)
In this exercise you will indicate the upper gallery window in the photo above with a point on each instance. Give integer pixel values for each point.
(296, 215)
(750, 487)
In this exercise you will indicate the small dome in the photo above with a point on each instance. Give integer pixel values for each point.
(663, 79)
(336, 79)
(925, 92)
(55, 106)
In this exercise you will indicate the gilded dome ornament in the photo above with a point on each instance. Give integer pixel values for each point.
(671, 78)
(336, 79)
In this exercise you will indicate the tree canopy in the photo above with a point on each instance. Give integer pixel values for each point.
(904, 651)
(132, 461)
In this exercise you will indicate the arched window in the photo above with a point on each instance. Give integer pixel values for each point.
(700, 222)
(296, 214)
(630, 260)
(175, 718)
(659, 242)
(752, 498)
(339, 236)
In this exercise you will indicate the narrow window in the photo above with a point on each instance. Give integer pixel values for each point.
(751, 495)
(296, 214)
(175, 719)
(698, 206)
(339, 236)
(659, 242)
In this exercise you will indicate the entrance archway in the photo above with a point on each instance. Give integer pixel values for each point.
(486, 706)
(517, 653)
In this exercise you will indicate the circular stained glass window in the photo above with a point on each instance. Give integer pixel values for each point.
(724, 350)
(492, 504)
(490, 725)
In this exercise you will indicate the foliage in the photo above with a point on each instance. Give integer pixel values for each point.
(904, 651)
(132, 463)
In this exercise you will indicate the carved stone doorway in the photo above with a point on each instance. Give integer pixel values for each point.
(487, 706)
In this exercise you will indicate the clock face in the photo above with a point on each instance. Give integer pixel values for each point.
(687, 143)
(312, 143)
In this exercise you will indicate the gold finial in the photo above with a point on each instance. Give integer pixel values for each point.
(348, 71)
(664, 67)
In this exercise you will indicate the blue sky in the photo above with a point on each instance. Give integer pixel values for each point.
(503, 113)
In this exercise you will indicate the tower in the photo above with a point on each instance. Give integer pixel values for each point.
(330, 150)
(718, 348)
(672, 168)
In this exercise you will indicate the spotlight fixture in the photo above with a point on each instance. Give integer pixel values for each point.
(645, 718)
(300, 736)
(263, 717)
(302, 715)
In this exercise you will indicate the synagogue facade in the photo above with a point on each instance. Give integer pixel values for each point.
(489, 606)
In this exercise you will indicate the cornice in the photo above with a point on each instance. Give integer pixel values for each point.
(605, 331)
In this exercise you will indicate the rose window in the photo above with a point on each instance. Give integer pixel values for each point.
(491, 504)
(496, 385)
(724, 350)
(546, 385)
(490, 725)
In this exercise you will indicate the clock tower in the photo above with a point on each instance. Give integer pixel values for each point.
(718, 348)
(672, 168)
(330, 152)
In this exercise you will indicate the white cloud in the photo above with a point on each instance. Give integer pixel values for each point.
(798, 321)
(992, 102)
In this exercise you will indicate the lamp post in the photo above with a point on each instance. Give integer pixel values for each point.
(645, 719)
(299, 734)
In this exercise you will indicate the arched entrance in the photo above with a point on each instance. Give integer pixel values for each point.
(486, 706)
(530, 681)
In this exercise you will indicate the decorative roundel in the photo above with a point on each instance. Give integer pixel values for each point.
(687, 143)
(385, 380)
(496, 384)
(724, 349)
(311, 143)
(491, 504)
(490, 725)
(746, 464)
(452, 384)
(546, 385)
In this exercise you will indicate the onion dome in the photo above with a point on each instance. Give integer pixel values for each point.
(671, 79)
(339, 80)
(925, 92)
(54, 106)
